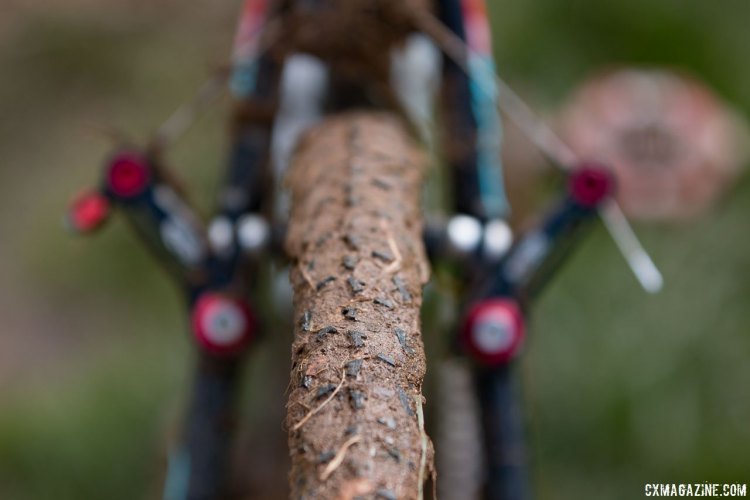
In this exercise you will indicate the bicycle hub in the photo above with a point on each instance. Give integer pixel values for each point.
(223, 325)
(494, 331)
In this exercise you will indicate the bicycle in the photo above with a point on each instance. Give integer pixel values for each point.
(358, 251)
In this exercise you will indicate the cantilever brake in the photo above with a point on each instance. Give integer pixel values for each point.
(553, 147)
(153, 205)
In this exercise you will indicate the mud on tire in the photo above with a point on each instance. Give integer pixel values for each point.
(358, 267)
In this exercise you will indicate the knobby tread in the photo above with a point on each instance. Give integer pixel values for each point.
(358, 268)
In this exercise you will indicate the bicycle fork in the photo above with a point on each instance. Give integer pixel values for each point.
(221, 318)
(494, 327)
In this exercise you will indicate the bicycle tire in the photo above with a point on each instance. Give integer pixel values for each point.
(354, 412)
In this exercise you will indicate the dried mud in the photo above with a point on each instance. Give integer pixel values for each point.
(358, 267)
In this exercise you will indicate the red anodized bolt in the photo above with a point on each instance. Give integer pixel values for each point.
(494, 331)
(222, 324)
(88, 212)
(590, 184)
(128, 175)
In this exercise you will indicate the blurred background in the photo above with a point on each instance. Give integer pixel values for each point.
(622, 388)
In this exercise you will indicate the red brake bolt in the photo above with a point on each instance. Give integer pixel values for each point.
(222, 324)
(494, 331)
(88, 212)
(128, 175)
(590, 184)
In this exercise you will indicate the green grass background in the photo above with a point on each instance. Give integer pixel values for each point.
(623, 388)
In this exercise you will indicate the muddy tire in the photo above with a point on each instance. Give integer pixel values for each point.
(358, 267)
